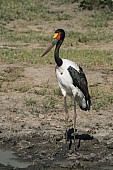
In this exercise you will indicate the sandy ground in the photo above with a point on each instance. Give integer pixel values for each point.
(32, 121)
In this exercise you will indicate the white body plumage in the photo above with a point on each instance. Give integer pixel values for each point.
(65, 82)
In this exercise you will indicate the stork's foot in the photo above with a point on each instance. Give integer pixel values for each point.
(70, 135)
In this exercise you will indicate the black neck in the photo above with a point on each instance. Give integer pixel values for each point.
(58, 60)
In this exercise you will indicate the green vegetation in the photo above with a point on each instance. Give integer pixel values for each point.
(48, 103)
(30, 102)
(100, 19)
(90, 58)
(22, 88)
(96, 4)
(15, 9)
(100, 97)
(34, 10)
(91, 37)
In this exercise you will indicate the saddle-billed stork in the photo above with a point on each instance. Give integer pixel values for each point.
(71, 79)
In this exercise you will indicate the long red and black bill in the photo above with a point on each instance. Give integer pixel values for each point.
(50, 46)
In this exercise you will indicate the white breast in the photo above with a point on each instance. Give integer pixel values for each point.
(63, 77)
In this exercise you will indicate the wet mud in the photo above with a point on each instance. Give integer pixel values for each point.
(45, 153)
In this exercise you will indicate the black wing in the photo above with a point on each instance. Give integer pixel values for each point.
(80, 81)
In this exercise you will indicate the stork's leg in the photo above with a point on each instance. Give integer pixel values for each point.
(66, 117)
(75, 116)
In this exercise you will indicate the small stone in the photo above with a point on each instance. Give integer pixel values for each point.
(25, 144)
(41, 116)
(110, 146)
(7, 69)
(59, 138)
(29, 156)
(89, 157)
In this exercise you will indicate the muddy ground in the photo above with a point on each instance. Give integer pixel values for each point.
(32, 121)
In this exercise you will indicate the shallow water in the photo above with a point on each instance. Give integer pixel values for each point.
(7, 157)
(99, 168)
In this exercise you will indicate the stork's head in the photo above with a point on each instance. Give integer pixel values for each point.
(58, 36)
